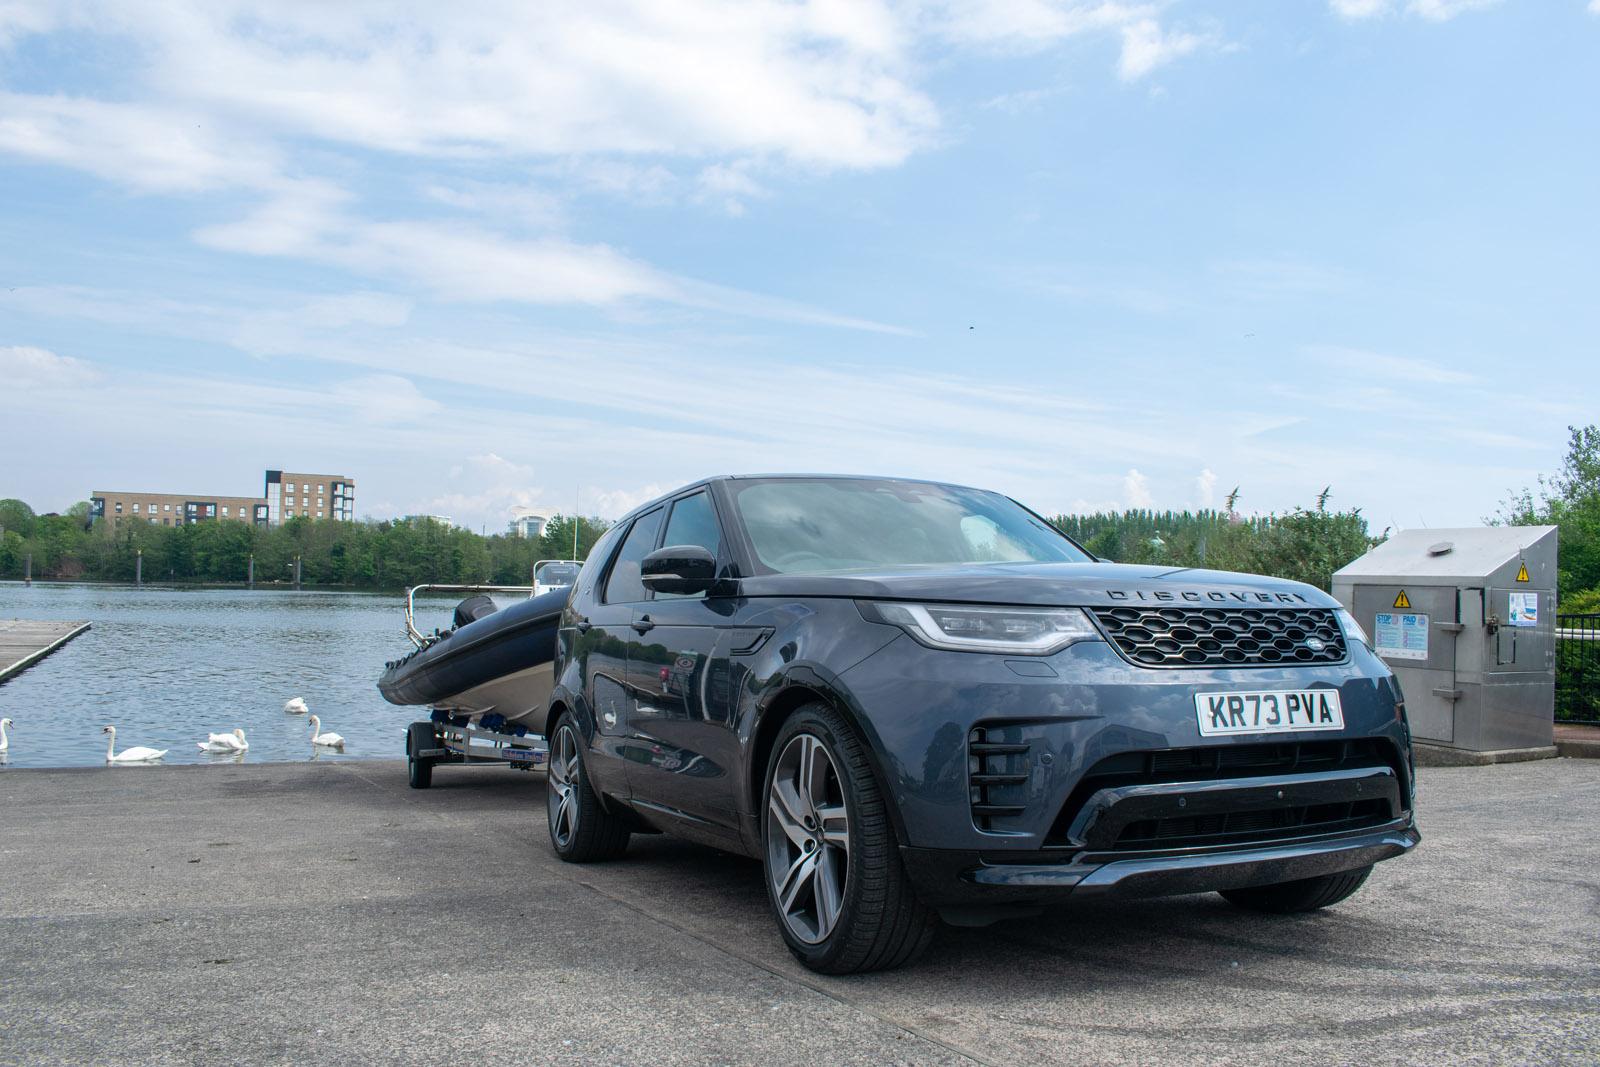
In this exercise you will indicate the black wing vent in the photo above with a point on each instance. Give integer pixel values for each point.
(997, 775)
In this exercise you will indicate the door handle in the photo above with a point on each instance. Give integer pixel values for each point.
(643, 624)
(584, 626)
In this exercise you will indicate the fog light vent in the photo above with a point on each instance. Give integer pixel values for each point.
(997, 773)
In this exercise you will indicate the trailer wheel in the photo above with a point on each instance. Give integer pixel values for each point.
(419, 736)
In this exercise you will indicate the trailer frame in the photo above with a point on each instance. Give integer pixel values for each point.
(447, 737)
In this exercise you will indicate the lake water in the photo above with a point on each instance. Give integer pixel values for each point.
(167, 666)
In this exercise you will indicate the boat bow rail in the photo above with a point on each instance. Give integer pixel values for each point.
(421, 640)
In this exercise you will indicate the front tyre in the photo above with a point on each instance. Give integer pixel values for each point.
(835, 880)
(1308, 894)
(581, 830)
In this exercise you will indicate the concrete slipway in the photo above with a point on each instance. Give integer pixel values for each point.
(298, 913)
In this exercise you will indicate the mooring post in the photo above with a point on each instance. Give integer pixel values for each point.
(138, 567)
(27, 570)
(297, 574)
(250, 575)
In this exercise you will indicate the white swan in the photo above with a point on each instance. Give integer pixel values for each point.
(328, 740)
(233, 742)
(138, 754)
(295, 706)
(5, 742)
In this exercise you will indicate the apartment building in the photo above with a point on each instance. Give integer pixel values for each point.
(287, 495)
(174, 509)
(311, 496)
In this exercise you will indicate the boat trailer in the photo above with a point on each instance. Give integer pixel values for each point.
(447, 737)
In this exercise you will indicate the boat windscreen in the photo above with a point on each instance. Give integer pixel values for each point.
(557, 574)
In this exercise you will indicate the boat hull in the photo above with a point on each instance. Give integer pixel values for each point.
(500, 664)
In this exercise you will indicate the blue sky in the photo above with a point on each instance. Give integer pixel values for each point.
(482, 256)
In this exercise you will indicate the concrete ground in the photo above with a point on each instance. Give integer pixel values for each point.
(299, 913)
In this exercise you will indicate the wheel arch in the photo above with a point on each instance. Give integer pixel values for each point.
(782, 700)
(561, 701)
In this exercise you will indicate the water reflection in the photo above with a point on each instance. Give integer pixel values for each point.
(170, 666)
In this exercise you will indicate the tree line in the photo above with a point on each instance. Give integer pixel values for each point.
(1307, 544)
(1570, 499)
(386, 554)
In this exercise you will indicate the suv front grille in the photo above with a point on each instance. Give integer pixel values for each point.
(1240, 827)
(1219, 637)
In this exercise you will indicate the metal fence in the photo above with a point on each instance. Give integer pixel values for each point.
(1578, 669)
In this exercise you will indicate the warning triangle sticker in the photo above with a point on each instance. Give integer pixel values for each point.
(1402, 601)
(1522, 573)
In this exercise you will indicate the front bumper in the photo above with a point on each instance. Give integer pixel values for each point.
(955, 878)
(988, 754)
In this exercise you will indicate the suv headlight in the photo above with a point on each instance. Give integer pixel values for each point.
(1352, 629)
(964, 628)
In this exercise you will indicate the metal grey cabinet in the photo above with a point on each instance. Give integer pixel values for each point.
(1466, 619)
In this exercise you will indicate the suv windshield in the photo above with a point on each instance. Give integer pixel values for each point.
(813, 526)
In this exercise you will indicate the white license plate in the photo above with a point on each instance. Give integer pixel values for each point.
(1275, 712)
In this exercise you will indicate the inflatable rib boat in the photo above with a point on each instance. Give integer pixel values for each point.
(488, 663)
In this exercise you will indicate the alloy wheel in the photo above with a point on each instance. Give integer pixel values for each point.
(808, 839)
(562, 778)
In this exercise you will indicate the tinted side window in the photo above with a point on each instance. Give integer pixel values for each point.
(693, 522)
(624, 586)
(595, 565)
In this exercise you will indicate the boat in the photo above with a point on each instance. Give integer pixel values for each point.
(493, 666)
(551, 574)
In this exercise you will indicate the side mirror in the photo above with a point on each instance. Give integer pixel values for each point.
(678, 569)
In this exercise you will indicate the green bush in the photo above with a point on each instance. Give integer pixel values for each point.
(1306, 545)
(1586, 602)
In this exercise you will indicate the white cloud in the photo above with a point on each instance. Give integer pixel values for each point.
(1136, 490)
(1443, 10)
(1034, 25)
(468, 264)
(614, 503)
(730, 185)
(1432, 10)
(1377, 368)
(1594, 7)
(694, 101)
(454, 262)
(1205, 485)
(823, 83)
(503, 201)
(1146, 46)
(145, 147)
(1358, 9)
(384, 400)
(486, 491)
(1273, 277)
(294, 329)
(26, 367)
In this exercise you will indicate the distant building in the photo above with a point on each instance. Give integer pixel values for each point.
(442, 520)
(286, 496)
(529, 525)
(313, 496)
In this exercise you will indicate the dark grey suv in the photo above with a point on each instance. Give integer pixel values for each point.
(912, 700)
